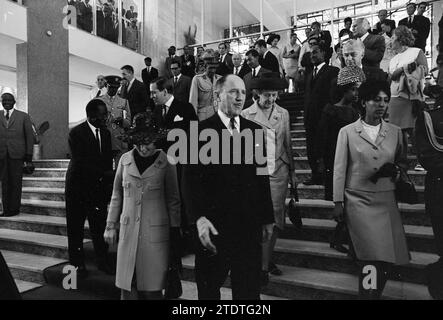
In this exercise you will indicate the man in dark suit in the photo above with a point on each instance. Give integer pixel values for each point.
(149, 74)
(188, 62)
(383, 16)
(252, 59)
(324, 37)
(85, 15)
(231, 202)
(375, 47)
(318, 85)
(181, 85)
(267, 58)
(16, 147)
(135, 92)
(171, 57)
(419, 25)
(89, 186)
(240, 68)
(226, 63)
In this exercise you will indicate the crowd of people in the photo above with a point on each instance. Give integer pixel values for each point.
(107, 21)
(359, 114)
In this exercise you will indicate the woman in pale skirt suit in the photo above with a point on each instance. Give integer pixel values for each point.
(145, 206)
(275, 120)
(370, 208)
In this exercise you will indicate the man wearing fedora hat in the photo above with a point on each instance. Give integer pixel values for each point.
(203, 88)
(16, 145)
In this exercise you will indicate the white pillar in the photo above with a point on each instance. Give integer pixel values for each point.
(262, 26)
(231, 28)
(294, 2)
(120, 23)
(202, 4)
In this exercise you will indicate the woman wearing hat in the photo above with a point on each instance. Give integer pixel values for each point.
(273, 41)
(275, 120)
(336, 116)
(145, 205)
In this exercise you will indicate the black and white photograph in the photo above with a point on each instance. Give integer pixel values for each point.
(225, 156)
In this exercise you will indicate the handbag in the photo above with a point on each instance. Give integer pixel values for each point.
(340, 237)
(294, 213)
(404, 188)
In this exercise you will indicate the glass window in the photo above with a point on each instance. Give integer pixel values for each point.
(132, 18)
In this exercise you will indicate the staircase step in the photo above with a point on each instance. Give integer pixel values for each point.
(29, 267)
(39, 224)
(52, 194)
(48, 173)
(25, 286)
(321, 209)
(34, 243)
(318, 192)
(301, 283)
(44, 207)
(318, 255)
(62, 163)
(43, 182)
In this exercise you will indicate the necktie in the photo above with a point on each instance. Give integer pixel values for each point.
(410, 20)
(236, 71)
(232, 124)
(99, 93)
(253, 73)
(175, 80)
(97, 137)
(315, 72)
(7, 115)
(164, 111)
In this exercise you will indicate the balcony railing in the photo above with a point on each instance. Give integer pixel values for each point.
(109, 21)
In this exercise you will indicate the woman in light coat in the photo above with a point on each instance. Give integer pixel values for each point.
(369, 205)
(275, 120)
(145, 205)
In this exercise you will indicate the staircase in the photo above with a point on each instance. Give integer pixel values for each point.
(35, 244)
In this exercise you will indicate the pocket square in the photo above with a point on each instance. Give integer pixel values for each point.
(178, 118)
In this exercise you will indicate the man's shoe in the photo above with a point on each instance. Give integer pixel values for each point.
(106, 268)
(274, 270)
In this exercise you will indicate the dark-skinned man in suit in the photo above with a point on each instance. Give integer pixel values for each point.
(149, 73)
(181, 84)
(318, 85)
(89, 186)
(135, 92)
(16, 146)
(252, 59)
(231, 202)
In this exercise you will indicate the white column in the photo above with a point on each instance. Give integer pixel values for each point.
(231, 30)
(120, 25)
(202, 4)
(294, 2)
(262, 26)
(94, 17)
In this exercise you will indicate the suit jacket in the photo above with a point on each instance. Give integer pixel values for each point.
(248, 79)
(89, 168)
(148, 77)
(375, 47)
(17, 136)
(422, 25)
(357, 158)
(270, 62)
(168, 62)
(182, 89)
(233, 197)
(85, 16)
(245, 69)
(188, 65)
(179, 116)
(227, 63)
(137, 97)
(317, 93)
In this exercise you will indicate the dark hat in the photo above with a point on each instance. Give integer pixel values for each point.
(272, 37)
(144, 130)
(269, 81)
(113, 81)
(172, 48)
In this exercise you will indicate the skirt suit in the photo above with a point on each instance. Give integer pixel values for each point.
(371, 210)
(147, 205)
(280, 160)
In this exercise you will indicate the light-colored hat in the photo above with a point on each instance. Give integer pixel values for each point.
(350, 75)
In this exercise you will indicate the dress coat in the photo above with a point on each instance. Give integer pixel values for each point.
(280, 160)
(371, 210)
(147, 205)
(202, 96)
